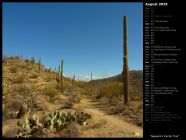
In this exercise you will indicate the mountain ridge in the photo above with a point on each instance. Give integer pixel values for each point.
(133, 74)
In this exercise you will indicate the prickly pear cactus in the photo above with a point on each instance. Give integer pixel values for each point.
(30, 127)
(52, 122)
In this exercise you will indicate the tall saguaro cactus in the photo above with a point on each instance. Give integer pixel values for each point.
(125, 64)
(62, 75)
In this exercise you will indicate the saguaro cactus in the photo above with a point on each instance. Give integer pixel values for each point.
(32, 60)
(125, 63)
(58, 76)
(49, 70)
(91, 81)
(39, 64)
(73, 80)
(62, 75)
(59, 70)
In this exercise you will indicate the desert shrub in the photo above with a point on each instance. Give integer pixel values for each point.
(30, 103)
(19, 78)
(136, 95)
(27, 60)
(67, 86)
(32, 60)
(23, 66)
(66, 105)
(48, 79)
(113, 100)
(15, 109)
(97, 96)
(108, 90)
(136, 87)
(11, 57)
(58, 86)
(51, 92)
(21, 89)
(113, 88)
(13, 69)
(34, 76)
(16, 57)
(75, 99)
(5, 57)
(71, 131)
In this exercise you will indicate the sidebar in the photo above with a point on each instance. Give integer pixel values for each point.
(163, 94)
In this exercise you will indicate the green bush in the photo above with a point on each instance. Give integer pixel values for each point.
(114, 88)
(51, 92)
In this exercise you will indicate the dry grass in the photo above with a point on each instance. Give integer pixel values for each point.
(9, 129)
(19, 78)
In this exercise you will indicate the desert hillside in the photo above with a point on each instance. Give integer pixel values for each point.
(37, 104)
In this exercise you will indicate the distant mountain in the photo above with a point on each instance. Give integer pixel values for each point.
(133, 76)
(135, 84)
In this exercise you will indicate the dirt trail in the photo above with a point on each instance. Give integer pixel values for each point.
(104, 125)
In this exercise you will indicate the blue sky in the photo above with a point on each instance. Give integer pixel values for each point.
(88, 36)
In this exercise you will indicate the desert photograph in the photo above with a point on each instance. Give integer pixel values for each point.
(72, 70)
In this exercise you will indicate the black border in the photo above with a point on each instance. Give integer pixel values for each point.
(146, 129)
